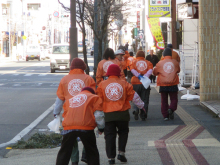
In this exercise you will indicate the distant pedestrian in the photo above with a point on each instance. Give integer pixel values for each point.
(116, 94)
(139, 68)
(154, 60)
(167, 70)
(72, 85)
(129, 63)
(126, 45)
(108, 59)
(175, 55)
(81, 116)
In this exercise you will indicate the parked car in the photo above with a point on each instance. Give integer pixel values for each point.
(92, 51)
(33, 52)
(59, 59)
(80, 47)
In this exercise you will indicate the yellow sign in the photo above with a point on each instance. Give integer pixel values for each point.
(159, 8)
(24, 37)
(154, 25)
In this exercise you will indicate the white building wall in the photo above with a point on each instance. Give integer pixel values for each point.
(190, 36)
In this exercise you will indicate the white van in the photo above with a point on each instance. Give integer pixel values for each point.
(60, 57)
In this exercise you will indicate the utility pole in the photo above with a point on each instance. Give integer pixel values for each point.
(73, 32)
(173, 16)
(96, 42)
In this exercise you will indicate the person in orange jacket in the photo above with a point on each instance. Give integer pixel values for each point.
(109, 58)
(116, 94)
(167, 79)
(82, 115)
(175, 55)
(73, 83)
(125, 61)
(129, 63)
(139, 68)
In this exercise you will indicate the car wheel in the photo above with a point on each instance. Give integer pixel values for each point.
(52, 70)
(39, 59)
(26, 59)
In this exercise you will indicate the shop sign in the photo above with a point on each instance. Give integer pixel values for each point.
(159, 8)
(154, 25)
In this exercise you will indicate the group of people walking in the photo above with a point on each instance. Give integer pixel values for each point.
(105, 103)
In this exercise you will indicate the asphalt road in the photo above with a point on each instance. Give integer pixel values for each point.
(27, 89)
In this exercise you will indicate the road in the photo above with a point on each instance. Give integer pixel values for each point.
(27, 89)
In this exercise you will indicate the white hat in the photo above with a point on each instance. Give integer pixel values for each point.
(119, 51)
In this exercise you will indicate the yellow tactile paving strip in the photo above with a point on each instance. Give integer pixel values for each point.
(177, 150)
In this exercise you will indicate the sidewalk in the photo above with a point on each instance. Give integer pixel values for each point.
(191, 138)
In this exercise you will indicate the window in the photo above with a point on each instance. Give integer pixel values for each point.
(61, 49)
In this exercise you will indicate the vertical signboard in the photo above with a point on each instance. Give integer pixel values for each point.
(159, 8)
(138, 19)
(154, 25)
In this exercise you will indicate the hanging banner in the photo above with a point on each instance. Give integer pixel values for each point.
(159, 8)
(154, 25)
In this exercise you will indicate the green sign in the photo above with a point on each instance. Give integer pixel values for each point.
(135, 32)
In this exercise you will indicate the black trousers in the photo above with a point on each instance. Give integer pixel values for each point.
(111, 130)
(89, 141)
(152, 78)
(144, 95)
(125, 72)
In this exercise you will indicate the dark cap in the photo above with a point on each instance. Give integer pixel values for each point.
(167, 52)
(170, 46)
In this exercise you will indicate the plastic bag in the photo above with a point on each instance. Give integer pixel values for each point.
(145, 81)
(54, 125)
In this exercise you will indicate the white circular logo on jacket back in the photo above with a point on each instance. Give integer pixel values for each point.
(141, 65)
(77, 100)
(168, 67)
(75, 86)
(131, 59)
(114, 91)
(106, 65)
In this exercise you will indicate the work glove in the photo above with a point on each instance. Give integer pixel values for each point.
(140, 76)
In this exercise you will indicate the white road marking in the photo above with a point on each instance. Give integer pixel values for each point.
(2, 84)
(38, 84)
(27, 74)
(16, 85)
(55, 85)
(15, 74)
(28, 128)
(42, 75)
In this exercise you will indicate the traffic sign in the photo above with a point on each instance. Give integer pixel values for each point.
(56, 14)
(24, 37)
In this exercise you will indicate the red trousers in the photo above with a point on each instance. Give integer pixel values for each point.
(164, 102)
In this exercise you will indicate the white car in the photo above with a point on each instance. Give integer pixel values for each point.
(33, 52)
(80, 47)
(60, 58)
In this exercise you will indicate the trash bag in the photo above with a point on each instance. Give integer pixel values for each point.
(54, 125)
(145, 81)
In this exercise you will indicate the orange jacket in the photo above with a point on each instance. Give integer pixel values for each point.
(124, 60)
(103, 67)
(116, 94)
(129, 62)
(141, 66)
(175, 56)
(167, 70)
(79, 113)
(72, 84)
